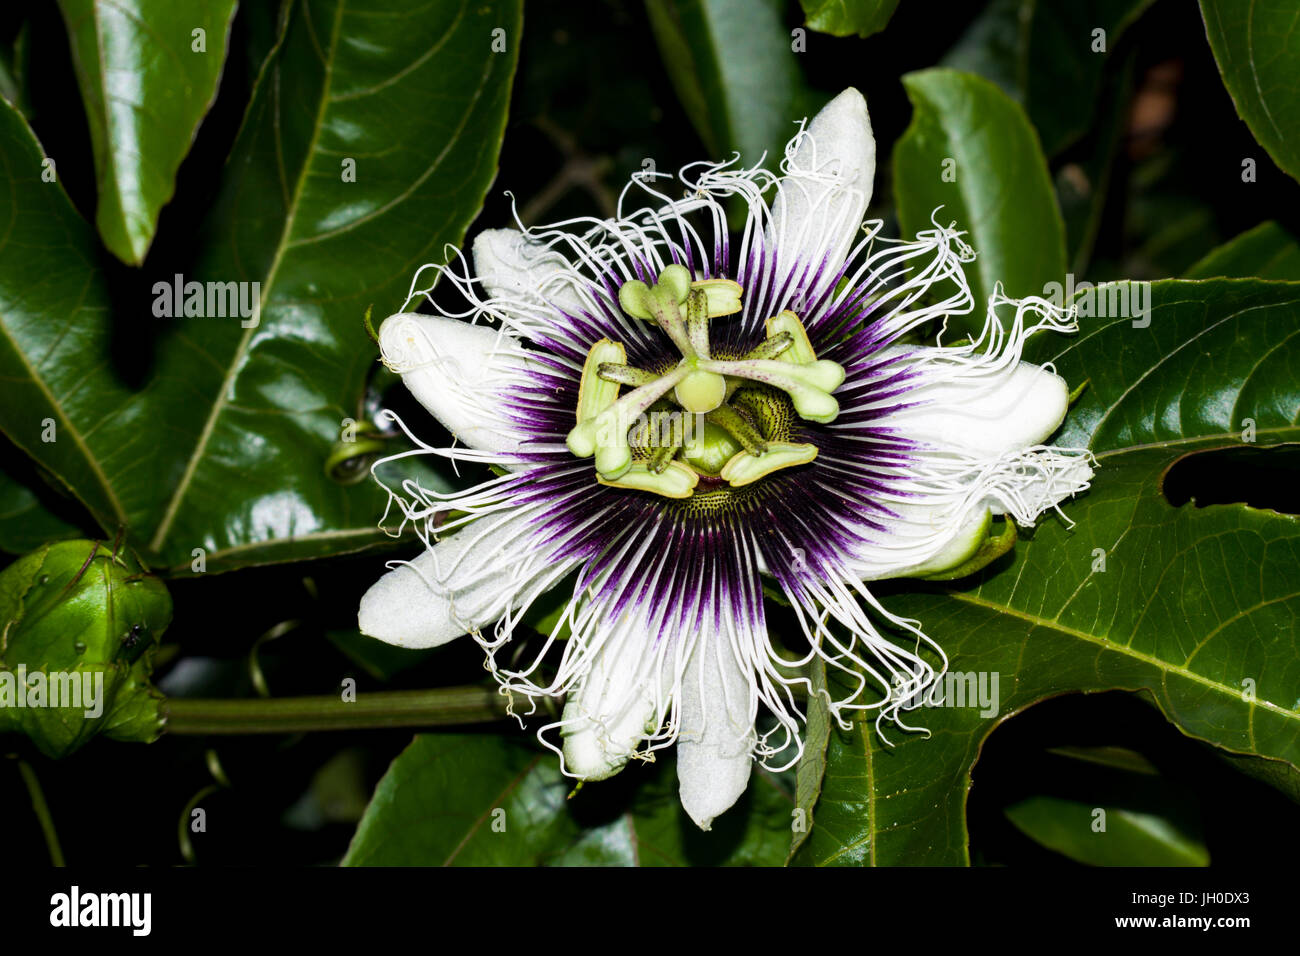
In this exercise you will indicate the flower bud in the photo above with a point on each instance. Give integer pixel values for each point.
(80, 624)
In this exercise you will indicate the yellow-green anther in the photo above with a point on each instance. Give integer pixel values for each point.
(723, 295)
(595, 392)
(801, 351)
(770, 348)
(625, 374)
(726, 417)
(745, 468)
(700, 391)
(697, 322)
(675, 481)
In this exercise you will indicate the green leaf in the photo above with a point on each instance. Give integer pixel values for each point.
(734, 71)
(1258, 52)
(1048, 57)
(479, 800)
(1131, 837)
(146, 88)
(971, 150)
(59, 400)
(843, 18)
(224, 449)
(1195, 608)
(413, 102)
(1266, 252)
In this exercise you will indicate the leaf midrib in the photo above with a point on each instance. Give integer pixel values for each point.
(235, 365)
(1163, 666)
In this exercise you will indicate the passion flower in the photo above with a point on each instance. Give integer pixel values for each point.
(674, 416)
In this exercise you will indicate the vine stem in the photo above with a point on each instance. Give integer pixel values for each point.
(442, 707)
(42, 811)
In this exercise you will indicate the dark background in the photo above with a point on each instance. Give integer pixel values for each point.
(592, 101)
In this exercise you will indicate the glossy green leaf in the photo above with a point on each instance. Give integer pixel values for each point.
(481, 800)
(369, 145)
(148, 71)
(1130, 837)
(1047, 56)
(59, 400)
(734, 71)
(1266, 252)
(843, 18)
(1196, 608)
(1258, 51)
(971, 150)
(224, 449)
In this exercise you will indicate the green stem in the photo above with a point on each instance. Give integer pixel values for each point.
(395, 708)
(42, 810)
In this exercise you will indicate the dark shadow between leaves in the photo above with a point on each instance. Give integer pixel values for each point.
(1241, 474)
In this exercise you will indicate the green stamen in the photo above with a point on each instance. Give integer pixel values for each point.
(723, 295)
(676, 480)
(744, 468)
(770, 347)
(594, 395)
(740, 442)
(724, 416)
(697, 322)
(605, 435)
(624, 374)
(787, 323)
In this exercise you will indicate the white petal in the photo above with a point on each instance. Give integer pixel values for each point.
(715, 748)
(458, 372)
(982, 412)
(617, 706)
(821, 202)
(465, 582)
(513, 267)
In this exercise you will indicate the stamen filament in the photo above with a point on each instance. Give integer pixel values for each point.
(727, 418)
(770, 347)
(625, 374)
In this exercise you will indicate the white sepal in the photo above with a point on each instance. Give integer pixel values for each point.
(821, 201)
(459, 372)
(461, 584)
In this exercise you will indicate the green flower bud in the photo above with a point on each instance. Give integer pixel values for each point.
(80, 625)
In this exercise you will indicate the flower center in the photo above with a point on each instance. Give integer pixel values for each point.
(722, 419)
